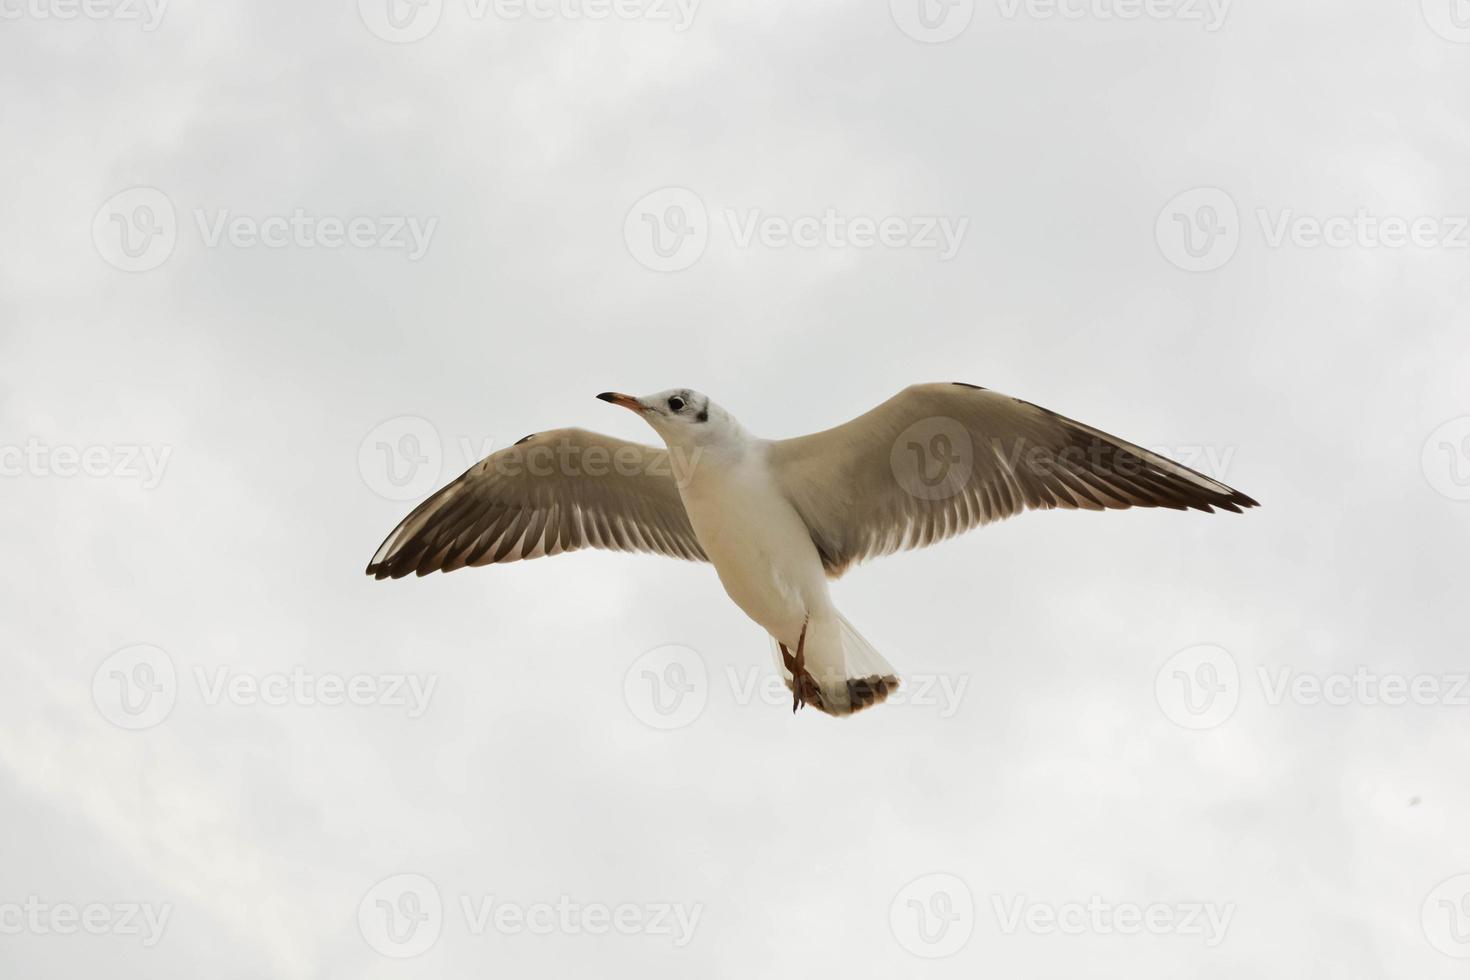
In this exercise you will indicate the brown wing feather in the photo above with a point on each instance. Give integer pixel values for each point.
(550, 493)
(861, 497)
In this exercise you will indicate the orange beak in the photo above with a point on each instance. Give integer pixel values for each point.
(617, 398)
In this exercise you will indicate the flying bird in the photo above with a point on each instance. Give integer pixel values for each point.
(779, 518)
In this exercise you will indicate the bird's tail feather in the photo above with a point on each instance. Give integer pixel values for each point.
(841, 672)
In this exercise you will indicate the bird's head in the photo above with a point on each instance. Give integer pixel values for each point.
(683, 417)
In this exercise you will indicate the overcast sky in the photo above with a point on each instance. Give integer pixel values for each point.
(271, 272)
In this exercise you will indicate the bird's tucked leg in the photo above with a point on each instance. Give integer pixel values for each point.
(797, 666)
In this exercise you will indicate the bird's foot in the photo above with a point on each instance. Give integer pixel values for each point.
(790, 662)
(798, 674)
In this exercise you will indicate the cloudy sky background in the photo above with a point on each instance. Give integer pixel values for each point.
(1328, 382)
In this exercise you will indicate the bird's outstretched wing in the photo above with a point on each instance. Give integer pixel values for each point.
(938, 459)
(549, 493)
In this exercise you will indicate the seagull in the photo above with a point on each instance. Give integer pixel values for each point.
(780, 518)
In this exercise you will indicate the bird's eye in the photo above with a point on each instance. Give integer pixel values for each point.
(676, 404)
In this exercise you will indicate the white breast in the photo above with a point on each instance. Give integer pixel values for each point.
(757, 542)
